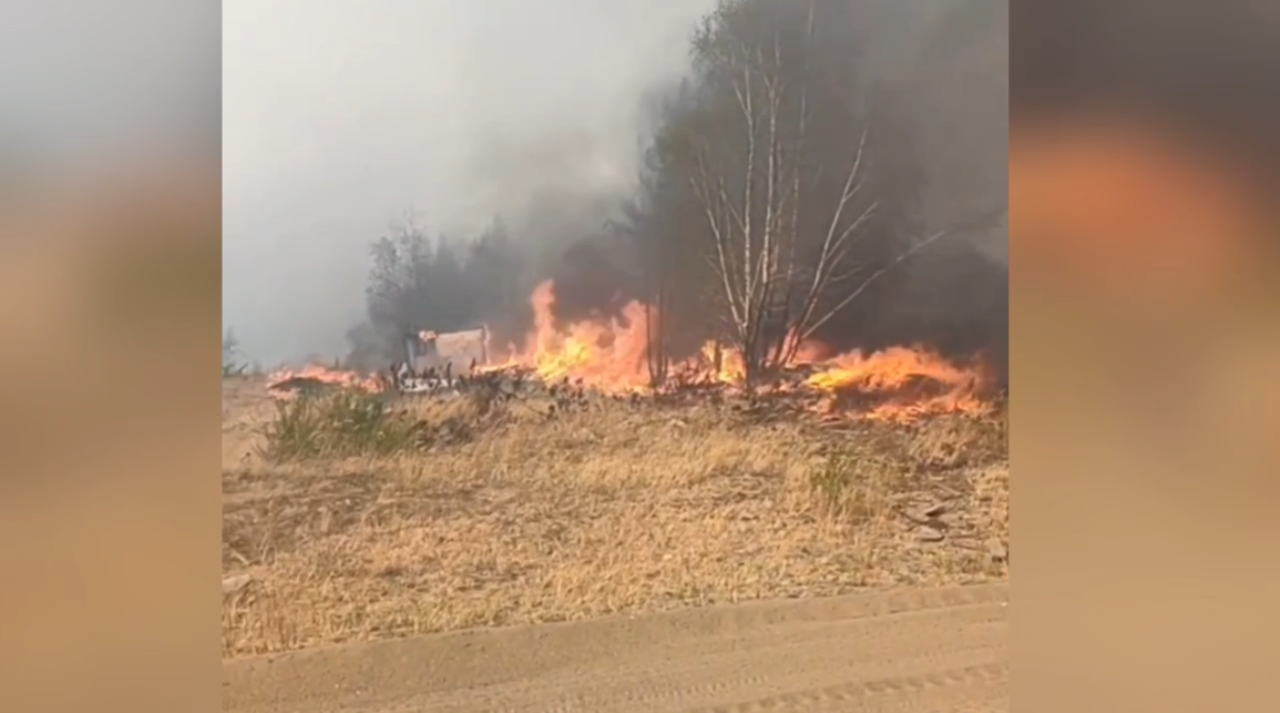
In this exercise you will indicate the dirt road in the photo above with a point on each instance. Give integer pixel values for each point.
(914, 650)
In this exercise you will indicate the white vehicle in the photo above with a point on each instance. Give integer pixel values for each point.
(434, 360)
(458, 351)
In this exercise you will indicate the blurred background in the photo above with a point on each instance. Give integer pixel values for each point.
(1146, 349)
(110, 212)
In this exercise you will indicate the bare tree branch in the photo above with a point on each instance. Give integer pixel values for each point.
(809, 331)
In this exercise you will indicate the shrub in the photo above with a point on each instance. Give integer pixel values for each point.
(340, 424)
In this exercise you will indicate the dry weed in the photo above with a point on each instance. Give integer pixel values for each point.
(618, 508)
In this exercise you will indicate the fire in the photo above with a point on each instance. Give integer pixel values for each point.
(609, 354)
(731, 368)
(904, 384)
(604, 353)
(282, 383)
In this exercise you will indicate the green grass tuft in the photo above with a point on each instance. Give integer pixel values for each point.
(340, 424)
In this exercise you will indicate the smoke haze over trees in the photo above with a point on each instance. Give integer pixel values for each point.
(832, 169)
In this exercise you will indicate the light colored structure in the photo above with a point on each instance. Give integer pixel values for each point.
(426, 350)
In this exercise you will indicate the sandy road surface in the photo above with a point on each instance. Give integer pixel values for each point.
(913, 650)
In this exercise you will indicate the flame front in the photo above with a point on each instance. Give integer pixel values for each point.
(899, 384)
(609, 354)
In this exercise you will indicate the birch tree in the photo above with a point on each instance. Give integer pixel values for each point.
(785, 210)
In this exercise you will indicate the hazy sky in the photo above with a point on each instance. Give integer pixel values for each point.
(339, 116)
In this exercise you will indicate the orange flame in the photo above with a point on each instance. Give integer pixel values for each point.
(610, 355)
(604, 353)
(278, 383)
(906, 384)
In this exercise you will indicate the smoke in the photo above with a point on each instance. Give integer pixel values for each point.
(951, 61)
(341, 118)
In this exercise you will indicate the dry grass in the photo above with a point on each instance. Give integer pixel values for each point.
(620, 509)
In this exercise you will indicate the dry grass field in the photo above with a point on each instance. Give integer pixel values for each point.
(506, 516)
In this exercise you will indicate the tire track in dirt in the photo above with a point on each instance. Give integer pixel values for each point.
(927, 650)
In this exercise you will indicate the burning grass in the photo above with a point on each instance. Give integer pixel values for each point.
(360, 516)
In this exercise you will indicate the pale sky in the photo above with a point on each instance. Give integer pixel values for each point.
(340, 116)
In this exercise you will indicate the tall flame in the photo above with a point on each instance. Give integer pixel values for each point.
(607, 353)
